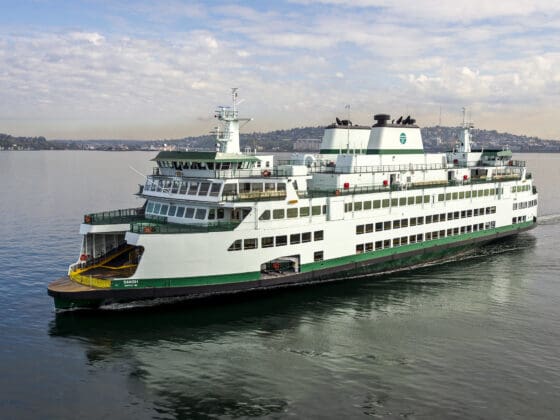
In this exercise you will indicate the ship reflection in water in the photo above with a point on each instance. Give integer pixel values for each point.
(356, 346)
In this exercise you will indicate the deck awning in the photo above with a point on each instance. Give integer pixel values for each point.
(204, 157)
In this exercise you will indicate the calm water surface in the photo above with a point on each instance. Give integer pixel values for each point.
(478, 338)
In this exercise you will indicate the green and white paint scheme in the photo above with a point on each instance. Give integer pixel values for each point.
(227, 218)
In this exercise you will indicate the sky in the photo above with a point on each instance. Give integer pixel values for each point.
(120, 69)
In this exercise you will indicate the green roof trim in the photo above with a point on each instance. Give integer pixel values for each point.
(205, 157)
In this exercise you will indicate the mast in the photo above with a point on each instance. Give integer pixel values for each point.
(466, 136)
(227, 133)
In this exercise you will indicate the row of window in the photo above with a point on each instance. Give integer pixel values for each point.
(417, 221)
(520, 188)
(412, 239)
(293, 212)
(205, 188)
(161, 209)
(178, 165)
(280, 240)
(519, 219)
(459, 195)
(524, 205)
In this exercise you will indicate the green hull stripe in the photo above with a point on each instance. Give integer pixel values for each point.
(319, 265)
(395, 151)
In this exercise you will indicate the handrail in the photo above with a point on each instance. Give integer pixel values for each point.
(147, 227)
(114, 216)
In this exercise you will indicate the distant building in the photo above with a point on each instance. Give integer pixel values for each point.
(307, 145)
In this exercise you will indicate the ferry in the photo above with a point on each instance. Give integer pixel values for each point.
(231, 221)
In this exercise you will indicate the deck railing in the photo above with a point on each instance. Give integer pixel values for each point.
(114, 216)
(149, 227)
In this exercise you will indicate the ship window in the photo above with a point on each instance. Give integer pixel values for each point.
(434, 235)
(467, 194)
(378, 226)
(396, 241)
(455, 231)
(200, 214)
(269, 186)
(469, 228)
(235, 246)
(454, 196)
(359, 229)
(318, 235)
(426, 199)
(324, 208)
(412, 239)
(376, 204)
(450, 216)
(369, 228)
(480, 193)
(306, 237)
(347, 207)
(396, 224)
(204, 188)
(463, 229)
(281, 186)
(193, 188)
(244, 187)
(172, 210)
(410, 201)
(469, 213)
(413, 221)
(428, 236)
(278, 213)
(221, 213)
(448, 196)
(281, 240)
(292, 212)
(175, 187)
(435, 218)
(442, 217)
(295, 238)
(420, 220)
(225, 165)
(378, 245)
(387, 225)
(183, 187)
(318, 256)
(428, 220)
(367, 205)
(442, 233)
(265, 215)
(180, 211)
(359, 249)
(404, 240)
(250, 243)
(385, 203)
(475, 212)
(303, 211)
(257, 187)
(404, 223)
(369, 246)
(394, 202)
(387, 243)
(358, 206)
(316, 210)
(449, 232)
(189, 213)
(418, 199)
(230, 189)
(215, 189)
(441, 197)
(151, 207)
(211, 214)
(486, 192)
(461, 195)
(456, 215)
(157, 207)
(402, 201)
(164, 208)
(463, 214)
(267, 242)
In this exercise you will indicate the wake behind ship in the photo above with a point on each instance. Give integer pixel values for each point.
(225, 222)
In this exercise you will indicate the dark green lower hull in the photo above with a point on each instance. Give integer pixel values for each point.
(318, 274)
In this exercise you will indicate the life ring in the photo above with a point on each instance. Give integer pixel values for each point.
(276, 266)
(87, 218)
(148, 229)
(266, 173)
(83, 257)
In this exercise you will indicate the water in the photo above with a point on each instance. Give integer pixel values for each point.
(477, 338)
